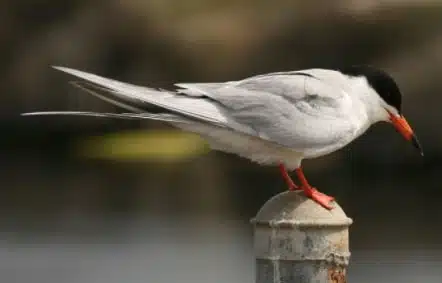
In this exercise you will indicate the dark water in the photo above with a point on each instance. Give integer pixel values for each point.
(163, 250)
(68, 220)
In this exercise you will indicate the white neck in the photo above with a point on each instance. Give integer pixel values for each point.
(369, 100)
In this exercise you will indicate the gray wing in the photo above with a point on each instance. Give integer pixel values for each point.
(293, 85)
(295, 109)
(138, 99)
(194, 107)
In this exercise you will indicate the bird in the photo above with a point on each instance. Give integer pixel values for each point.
(274, 119)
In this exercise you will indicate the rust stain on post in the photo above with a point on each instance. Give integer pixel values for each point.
(336, 275)
(298, 241)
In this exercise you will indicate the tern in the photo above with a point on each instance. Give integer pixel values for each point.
(274, 119)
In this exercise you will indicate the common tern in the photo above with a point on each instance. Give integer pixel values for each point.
(273, 119)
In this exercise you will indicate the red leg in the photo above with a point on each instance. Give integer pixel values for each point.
(287, 179)
(312, 193)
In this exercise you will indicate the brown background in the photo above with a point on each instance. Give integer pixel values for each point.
(71, 216)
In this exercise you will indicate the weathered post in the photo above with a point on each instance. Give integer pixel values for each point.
(298, 241)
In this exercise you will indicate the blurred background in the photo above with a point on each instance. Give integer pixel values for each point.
(99, 200)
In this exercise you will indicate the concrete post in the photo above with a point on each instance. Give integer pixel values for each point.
(298, 241)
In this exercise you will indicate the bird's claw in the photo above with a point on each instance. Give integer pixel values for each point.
(320, 198)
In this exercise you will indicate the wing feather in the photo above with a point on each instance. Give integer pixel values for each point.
(294, 109)
(198, 108)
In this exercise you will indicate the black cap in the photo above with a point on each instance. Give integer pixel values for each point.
(380, 81)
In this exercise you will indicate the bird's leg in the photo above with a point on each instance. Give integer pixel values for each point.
(312, 193)
(287, 179)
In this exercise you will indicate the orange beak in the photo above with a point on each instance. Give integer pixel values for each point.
(405, 130)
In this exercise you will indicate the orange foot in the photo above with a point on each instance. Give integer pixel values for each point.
(320, 198)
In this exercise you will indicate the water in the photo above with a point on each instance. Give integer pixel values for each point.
(160, 250)
(93, 222)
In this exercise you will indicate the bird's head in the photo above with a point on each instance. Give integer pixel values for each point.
(389, 100)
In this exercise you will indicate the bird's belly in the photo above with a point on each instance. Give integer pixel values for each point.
(352, 133)
(318, 152)
(256, 149)
(250, 147)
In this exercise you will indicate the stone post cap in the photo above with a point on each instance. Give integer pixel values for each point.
(295, 209)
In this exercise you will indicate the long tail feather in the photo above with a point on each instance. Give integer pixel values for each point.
(160, 117)
(83, 113)
(144, 97)
(89, 88)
